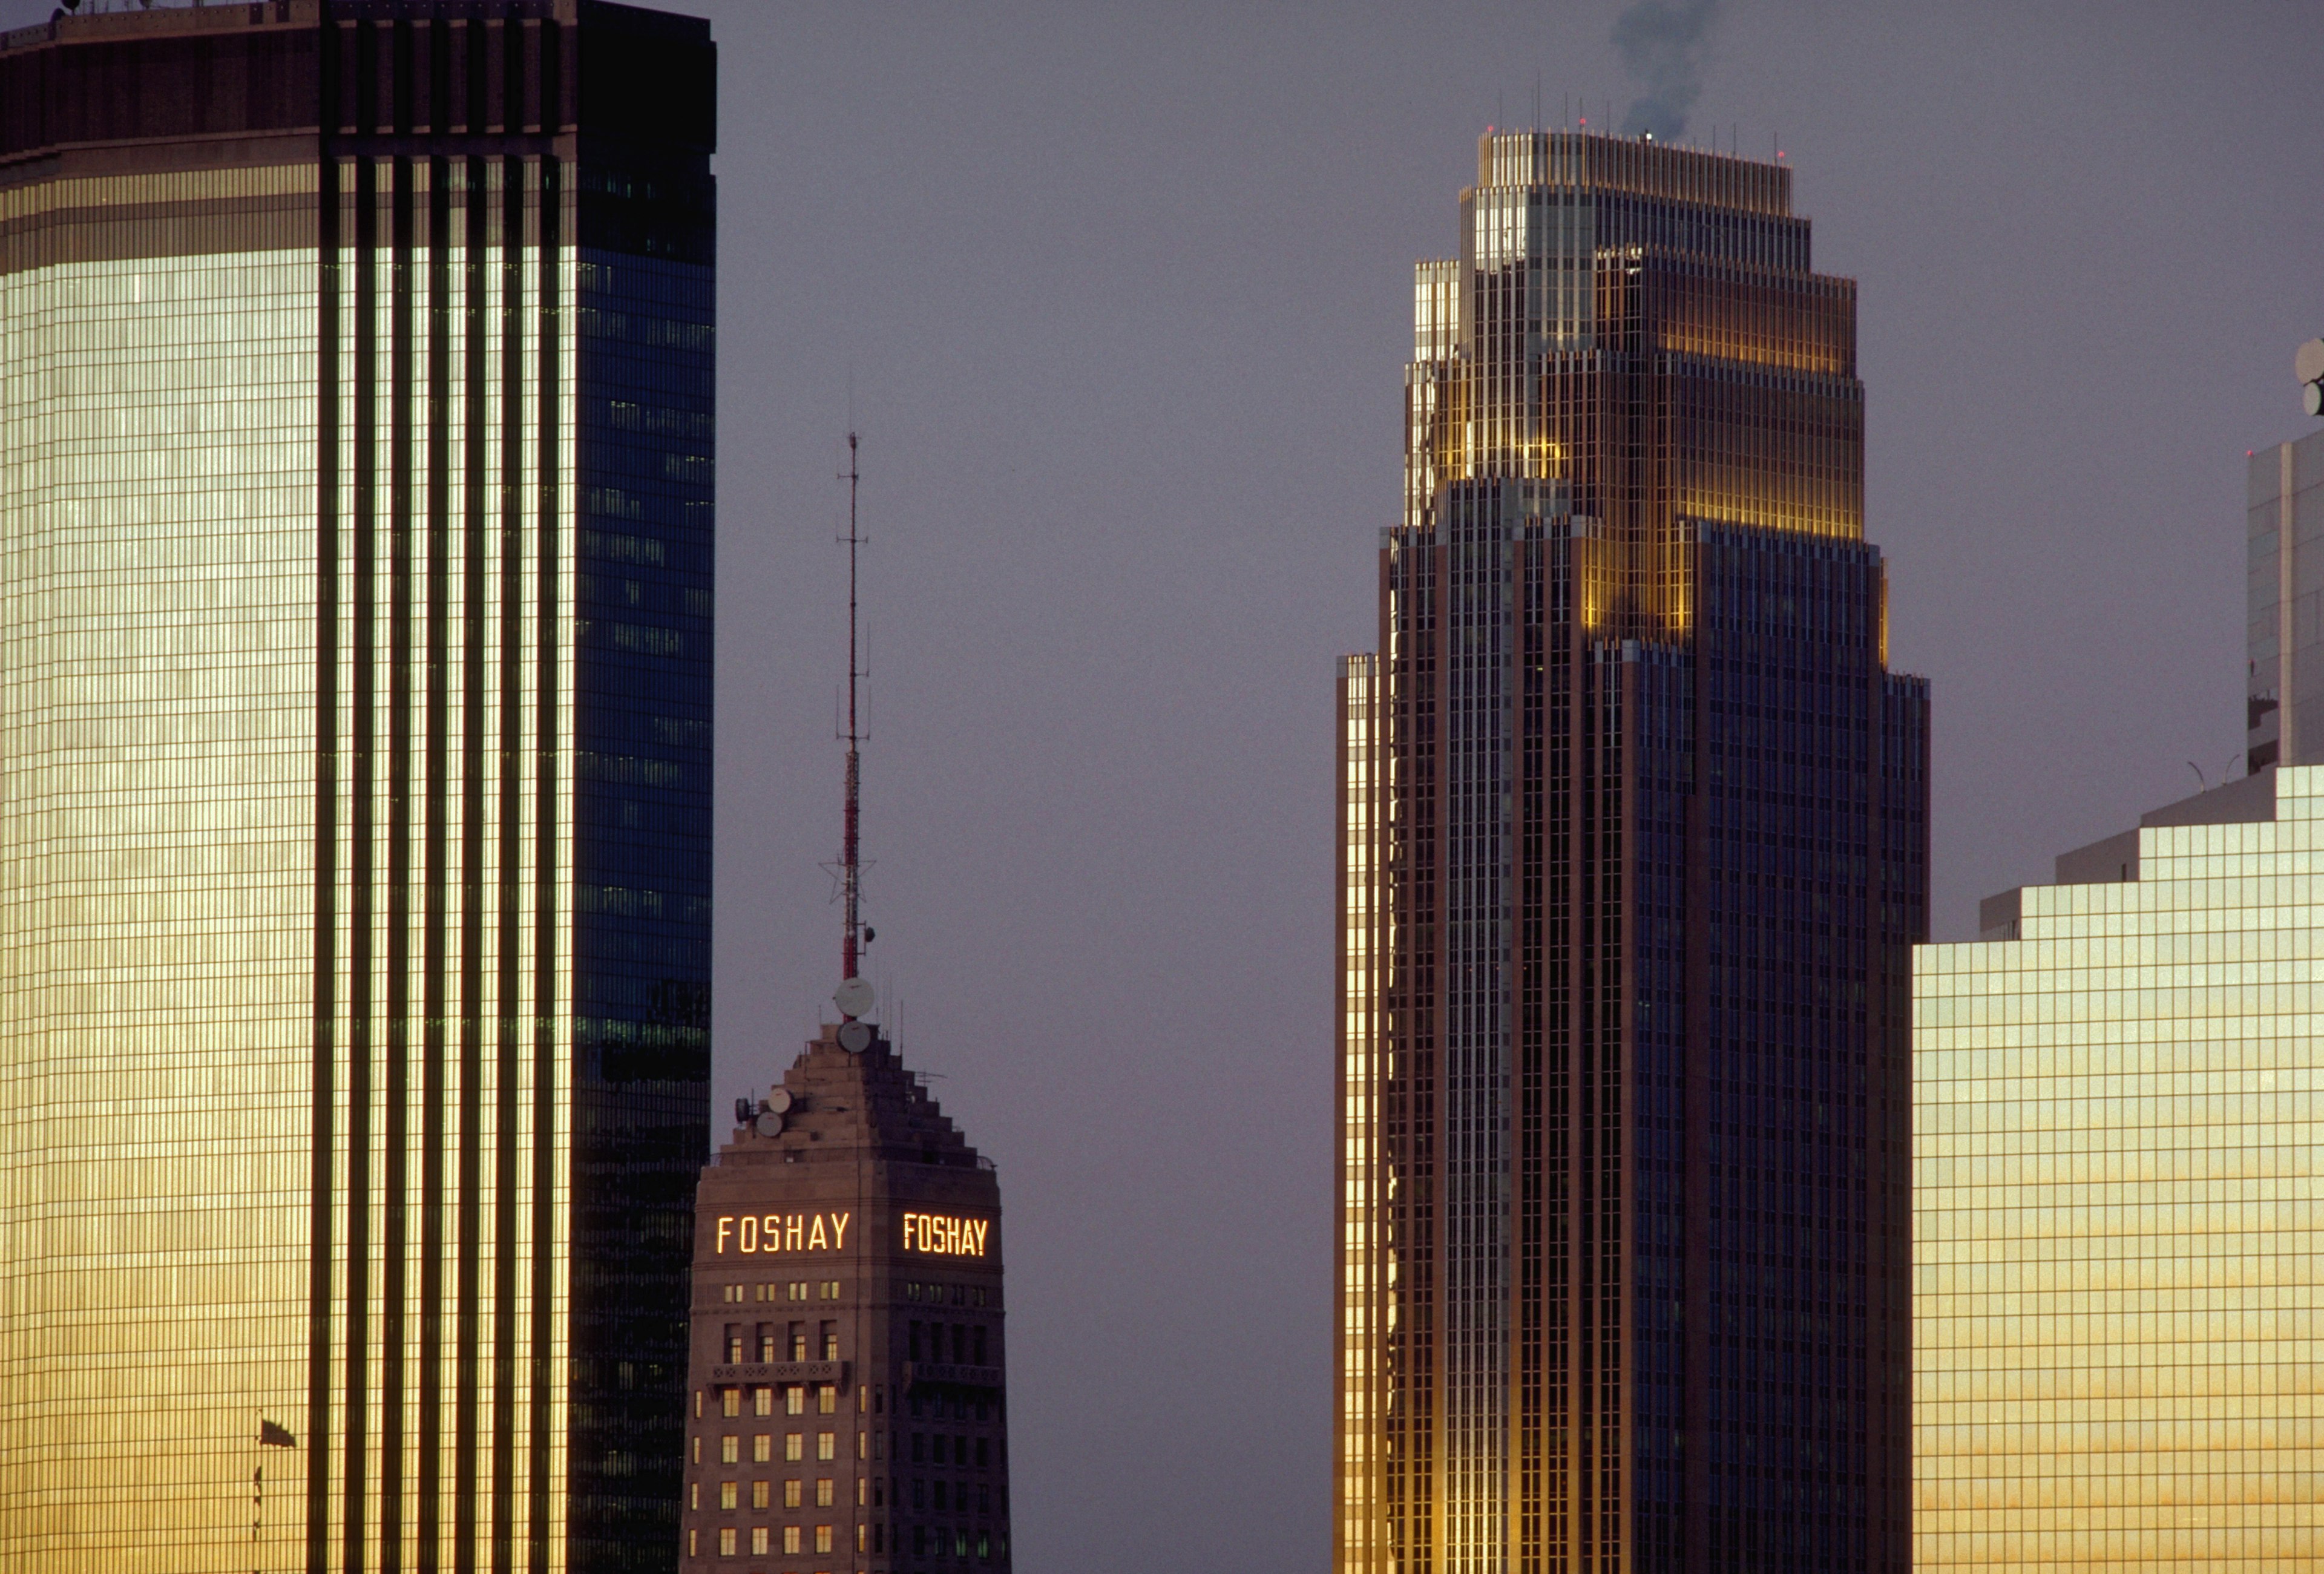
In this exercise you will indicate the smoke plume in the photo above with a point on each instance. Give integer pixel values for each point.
(1661, 43)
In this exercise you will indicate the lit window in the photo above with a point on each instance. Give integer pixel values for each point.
(694, 1544)
(822, 1488)
(759, 1495)
(791, 1492)
(798, 1290)
(862, 1490)
(823, 1538)
(733, 1348)
(826, 1445)
(830, 1341)
(730, 1449)
(697, 1447)
(863, 1445)
(790, 1538)
(831, 1289)
(694, 1494)
(729, 1495)
(762, 1448)
(726, 1542)
(759, 1541)
(729, 1402)
(763, 1402)
(826, 1399)
(795, 1445)
(795, 1399)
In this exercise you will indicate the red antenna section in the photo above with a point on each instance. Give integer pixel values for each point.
(851, 867)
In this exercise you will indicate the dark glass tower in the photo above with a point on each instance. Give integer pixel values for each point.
(357, 627)
(1633, 832)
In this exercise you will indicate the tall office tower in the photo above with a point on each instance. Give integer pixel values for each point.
(2284, 681)
(849, 1404)
(2115, 1201)
(355, 892)
(1634, 837)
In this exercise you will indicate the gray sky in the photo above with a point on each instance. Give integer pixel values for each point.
(1123, 294)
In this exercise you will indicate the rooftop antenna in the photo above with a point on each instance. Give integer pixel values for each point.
(850, 866)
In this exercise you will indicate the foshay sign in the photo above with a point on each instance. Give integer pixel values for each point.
(945, 1236)
(783, 1232)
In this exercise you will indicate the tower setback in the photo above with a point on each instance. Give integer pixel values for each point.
(1634, 826)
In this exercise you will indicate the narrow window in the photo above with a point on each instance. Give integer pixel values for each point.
(982, 1460)
(733, 1343)
(959, 1344)
(791, 1492)
(863, 1537)
(798, 1290)
(916, 1340)
(694, 1495)
(798, 1341)
(919, 1493)
(918, 1447)
(766, 1341)
(830, 1341)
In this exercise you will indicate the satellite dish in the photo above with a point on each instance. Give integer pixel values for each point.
(2308, 362)
(767, 1125)
(853, 997)
(856, 1037)
(2311, 398)
(779, 1100)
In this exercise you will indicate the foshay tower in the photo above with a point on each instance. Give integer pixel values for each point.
(1634, 834)
(847, 1408)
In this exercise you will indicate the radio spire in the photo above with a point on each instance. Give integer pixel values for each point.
(851, 869)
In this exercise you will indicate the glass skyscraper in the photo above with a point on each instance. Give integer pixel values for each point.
(1634, 838)
(2119, 1292)
(2284, 678)
(355, 889)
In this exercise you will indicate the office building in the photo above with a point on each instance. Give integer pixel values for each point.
(1634, 841)
(2115, 1205)
(848, 1396)
(356, 629)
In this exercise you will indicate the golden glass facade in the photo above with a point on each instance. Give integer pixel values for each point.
(1633, 848)
(2115, 1202)
(354, 667)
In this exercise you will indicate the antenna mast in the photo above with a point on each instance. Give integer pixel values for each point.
(850, 848)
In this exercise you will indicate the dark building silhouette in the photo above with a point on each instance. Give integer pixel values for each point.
(358, 729)
(848, 1404)
(1634, 837)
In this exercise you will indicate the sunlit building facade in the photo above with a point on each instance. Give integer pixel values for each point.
(2119, 1292)
(1634, 829)
(354, 704)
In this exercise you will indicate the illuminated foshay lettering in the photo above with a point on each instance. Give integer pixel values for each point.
(783, 1232)
(941, 1235)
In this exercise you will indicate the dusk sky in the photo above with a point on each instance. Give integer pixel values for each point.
(1119, 297)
